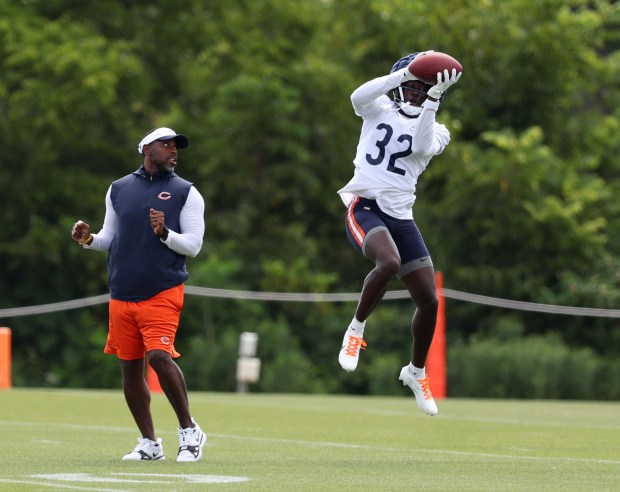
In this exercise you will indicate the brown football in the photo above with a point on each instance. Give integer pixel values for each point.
(426, 65)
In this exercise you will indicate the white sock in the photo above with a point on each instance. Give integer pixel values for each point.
(417, 372)
(357, 327)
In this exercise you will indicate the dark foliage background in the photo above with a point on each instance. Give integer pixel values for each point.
(521, 206)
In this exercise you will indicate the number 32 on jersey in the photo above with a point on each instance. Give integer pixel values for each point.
(382, 145)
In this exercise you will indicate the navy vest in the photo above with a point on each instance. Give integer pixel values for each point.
(139, 264)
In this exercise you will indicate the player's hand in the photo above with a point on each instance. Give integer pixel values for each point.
(157, 219)
(444, 81)
(407, 73)
(80, 232)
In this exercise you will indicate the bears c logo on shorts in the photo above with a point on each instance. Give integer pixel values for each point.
(165, 340)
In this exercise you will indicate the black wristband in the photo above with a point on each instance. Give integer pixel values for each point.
(164, 235)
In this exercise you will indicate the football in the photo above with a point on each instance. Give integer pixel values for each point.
(426, 65)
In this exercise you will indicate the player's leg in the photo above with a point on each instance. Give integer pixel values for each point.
(421, 286)
(367, 232)
(418, 275)
(380, 248)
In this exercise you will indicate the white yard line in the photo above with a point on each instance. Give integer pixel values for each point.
(326, 444)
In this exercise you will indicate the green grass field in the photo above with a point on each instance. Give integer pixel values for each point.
(74, 439)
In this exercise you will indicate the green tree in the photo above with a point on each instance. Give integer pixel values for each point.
(520, 206)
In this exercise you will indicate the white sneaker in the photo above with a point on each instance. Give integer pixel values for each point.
(191, 442)
(146, 450)
(421, 389)
(350, 351)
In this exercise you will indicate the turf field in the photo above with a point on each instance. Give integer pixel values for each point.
(74, 439)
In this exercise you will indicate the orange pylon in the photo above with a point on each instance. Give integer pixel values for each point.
(436, 364)
(152, 380)
(5, 358)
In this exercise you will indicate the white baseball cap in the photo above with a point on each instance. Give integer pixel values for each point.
(163, 133)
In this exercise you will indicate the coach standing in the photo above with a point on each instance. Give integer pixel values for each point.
(153, 220)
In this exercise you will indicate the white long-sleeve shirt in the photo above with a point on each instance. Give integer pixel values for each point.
(187, 241)
(393, 150)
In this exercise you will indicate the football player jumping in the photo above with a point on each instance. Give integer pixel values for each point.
(398, 139)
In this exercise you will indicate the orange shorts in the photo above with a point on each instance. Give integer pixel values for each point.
(139, 327)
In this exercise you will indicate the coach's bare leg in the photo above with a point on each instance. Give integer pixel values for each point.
(138, 396)
(173, 383)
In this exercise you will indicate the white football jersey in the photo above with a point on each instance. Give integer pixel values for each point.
(393, 150)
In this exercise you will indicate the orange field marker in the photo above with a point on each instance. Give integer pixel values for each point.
(5, 358)
(436, 365)
(152, 380)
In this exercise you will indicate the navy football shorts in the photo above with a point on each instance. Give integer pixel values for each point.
(365, 218)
